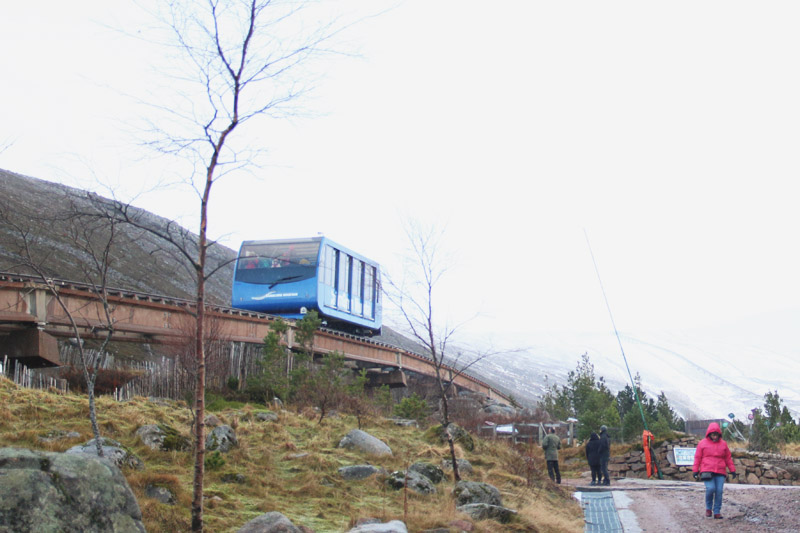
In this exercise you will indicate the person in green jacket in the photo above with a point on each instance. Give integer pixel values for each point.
(551, 444)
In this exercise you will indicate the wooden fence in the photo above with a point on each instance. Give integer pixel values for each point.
(31, 378)
(165, 376)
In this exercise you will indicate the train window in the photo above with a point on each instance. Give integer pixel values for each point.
(358, 286)
(336, 259)
(343, 282)
(369, 288)
(350, 303)
(276, 262)
(272, 255)
(329, 267)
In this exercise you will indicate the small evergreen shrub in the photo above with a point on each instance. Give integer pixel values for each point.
(412, 407)
(214, 461)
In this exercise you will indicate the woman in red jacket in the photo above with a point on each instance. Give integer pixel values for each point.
(710, 460)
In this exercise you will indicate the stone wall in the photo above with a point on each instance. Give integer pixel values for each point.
(753, 468)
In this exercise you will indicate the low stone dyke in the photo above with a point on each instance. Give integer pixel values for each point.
(755, 468)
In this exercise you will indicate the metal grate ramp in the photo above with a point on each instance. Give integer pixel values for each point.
(600, 513)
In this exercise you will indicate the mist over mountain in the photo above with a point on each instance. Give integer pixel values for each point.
(705, 373)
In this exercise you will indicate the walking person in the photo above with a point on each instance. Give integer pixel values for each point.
(605, 455)
(551, 444)
(711, 458)
(593, 458)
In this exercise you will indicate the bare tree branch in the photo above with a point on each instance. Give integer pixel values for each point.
(97, 243)
(415, 298)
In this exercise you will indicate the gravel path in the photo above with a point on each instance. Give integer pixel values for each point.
(675, 506)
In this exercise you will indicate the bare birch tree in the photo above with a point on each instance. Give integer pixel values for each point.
(415, 298)
(245, 60)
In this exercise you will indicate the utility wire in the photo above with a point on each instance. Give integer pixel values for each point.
(633, 384)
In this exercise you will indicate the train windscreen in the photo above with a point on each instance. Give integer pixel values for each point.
(274, 263)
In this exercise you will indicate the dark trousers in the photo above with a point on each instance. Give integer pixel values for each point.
(597, 475)
(553, 472)
(604, 470)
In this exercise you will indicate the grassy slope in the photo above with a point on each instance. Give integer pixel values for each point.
(308, 490)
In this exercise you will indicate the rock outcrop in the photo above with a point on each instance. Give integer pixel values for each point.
(68, 493)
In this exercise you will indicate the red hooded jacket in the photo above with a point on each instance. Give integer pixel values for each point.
(713, 456)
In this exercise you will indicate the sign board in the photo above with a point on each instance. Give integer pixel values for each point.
(684, 456)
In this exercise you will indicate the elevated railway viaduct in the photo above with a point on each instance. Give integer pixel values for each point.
(31, 321)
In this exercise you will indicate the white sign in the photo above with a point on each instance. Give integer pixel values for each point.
(684, 456)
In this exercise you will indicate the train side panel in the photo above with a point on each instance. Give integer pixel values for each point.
(349, 287)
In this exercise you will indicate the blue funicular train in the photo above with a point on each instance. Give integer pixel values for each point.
(289, 277)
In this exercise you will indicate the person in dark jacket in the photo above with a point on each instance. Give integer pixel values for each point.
(593, 458)
(551, 444)
(605, 455)
(711, 458)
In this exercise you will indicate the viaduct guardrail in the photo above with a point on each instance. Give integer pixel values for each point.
(31, 319)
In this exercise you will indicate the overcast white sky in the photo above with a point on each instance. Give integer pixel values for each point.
(668, 131)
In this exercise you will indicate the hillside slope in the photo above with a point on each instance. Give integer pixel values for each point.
(290, 465)
(140, 262)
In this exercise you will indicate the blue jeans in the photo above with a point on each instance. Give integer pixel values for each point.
(714, 492)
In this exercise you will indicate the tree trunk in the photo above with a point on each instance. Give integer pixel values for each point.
(93, 413)
(200, 386)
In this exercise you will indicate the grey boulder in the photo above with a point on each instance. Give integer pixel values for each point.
(273, 522)
(363, 441)
(413, 480)
(467, 492)
(46, 492)
(483, 511)
(395, 526)
(354, 472)
(221, 438)
(112, 451)
(430, 471)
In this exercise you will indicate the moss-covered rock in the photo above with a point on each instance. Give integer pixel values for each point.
(438, 435)
(65, 493)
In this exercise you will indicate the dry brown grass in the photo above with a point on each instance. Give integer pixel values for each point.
(792, 449)
(307, 489)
